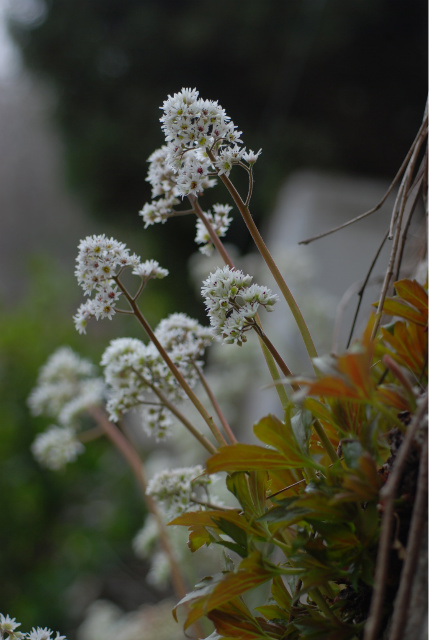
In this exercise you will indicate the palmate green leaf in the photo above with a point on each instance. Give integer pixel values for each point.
(281, 594)
(273, 432)
(315, 503)
(216, 592)
(301, 427)
(250, 490)
(272, 612)
(250, 457)
(318, 627)
(198, 537)
(352, 451)
(240, 629)
(200, 523)
(236, 533)
(234, 620)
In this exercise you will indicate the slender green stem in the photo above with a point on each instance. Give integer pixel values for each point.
(179, 415)
(322, 604)
(174, 370)
(277, 357)
(212, 233)
(272, 367)
(215, 404)
(263, 249)
(326, 443)
(226, 258)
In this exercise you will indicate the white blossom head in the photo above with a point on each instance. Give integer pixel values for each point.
(180, 333)
(232, 302)
(99, 260)
(56, 446)
(99, 264)
(43, 634)
(134, 372)
(192, 126)
(189, 121)
(178, 490)
(65, 378)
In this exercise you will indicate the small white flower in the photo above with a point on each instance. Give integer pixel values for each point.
(56, 446)
(150, 269)
(227, 157)
(219, 220)
(158, 211)
(86, 311)
(8, 624)
(43, 634)
(251, 157)
(161, 175)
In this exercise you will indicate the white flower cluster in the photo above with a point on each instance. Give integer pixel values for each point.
(132, 369)
(232, 302)
(56, 446)
(66, 388)
(100, 260)
(8, 631)
(192, 126)
(219, 220)
(189, 121)
(178, 489)
(63, 378)
(163, 181)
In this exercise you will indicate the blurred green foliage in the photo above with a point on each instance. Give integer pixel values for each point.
(65, 537)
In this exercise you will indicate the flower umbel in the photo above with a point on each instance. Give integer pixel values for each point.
(232, 302)
(177, 490)
(56, 446)
(8, 626)
(99, 264)
(134, 371)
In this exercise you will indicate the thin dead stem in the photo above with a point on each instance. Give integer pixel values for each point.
(384, 198)
(388, 495)
(215, 405)
(418, 520)
(397, 218)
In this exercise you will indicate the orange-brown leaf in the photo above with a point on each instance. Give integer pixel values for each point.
(413, 293)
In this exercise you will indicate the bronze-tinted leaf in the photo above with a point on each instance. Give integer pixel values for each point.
(248, 457)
